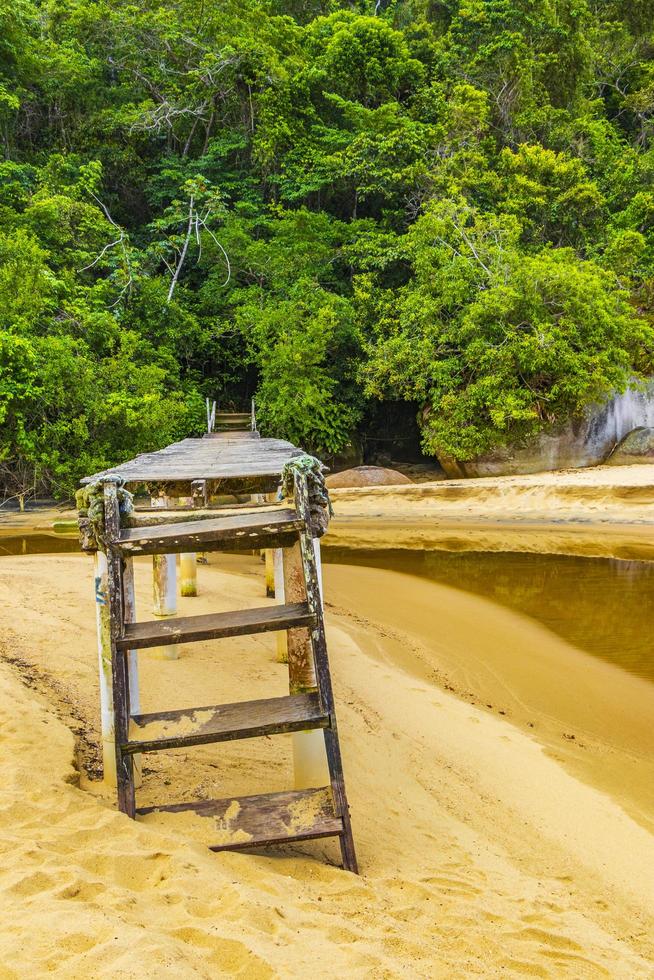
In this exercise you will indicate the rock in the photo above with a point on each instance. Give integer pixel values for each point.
(636, 447)
(366, 476)
(583, 442)
(350, 455)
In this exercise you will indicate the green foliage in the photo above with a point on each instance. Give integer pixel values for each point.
(296, 343)
(323, 205)
(496, 342)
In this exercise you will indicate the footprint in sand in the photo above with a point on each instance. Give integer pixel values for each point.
(229, 955)
(32, 884)
(454, 886)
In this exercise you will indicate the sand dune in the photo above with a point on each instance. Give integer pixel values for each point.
(481, 855)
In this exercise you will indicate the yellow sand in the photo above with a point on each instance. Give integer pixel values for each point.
(485, 851)
(601, 493)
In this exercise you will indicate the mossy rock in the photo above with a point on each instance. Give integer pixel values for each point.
(636, 447)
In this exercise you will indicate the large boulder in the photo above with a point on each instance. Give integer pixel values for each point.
(585, 442)
(636, 447)
(366, 476)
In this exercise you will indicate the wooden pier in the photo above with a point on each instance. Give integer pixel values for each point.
(192, 478)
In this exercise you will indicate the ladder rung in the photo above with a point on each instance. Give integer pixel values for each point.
(225, 722)
(256, 821)
(214, 626)
(236, 531)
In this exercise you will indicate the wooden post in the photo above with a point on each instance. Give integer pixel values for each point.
(164, 597)
(310, 558)
(119, 675)
(309, 758)
(104, 663)
(188, 574)
(129, 609)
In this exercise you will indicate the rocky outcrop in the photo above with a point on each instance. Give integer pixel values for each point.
(585, 442)
(636, 447)
(366, 476)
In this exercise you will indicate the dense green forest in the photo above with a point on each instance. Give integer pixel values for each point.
(335, 207)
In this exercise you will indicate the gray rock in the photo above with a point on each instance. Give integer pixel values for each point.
(636, 447)
(584, 442)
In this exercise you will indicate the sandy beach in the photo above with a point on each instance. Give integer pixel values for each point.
(619, 494)
(492, 842)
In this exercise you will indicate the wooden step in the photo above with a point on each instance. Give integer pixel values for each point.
(225, 722)
(269, 529)
(214, 626)
(257, 821)
(233, 417)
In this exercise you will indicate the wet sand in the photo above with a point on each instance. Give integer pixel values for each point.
(488, 847)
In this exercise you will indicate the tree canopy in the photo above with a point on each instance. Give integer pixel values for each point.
(326, 205)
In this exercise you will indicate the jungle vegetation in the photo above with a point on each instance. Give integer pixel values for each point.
(329, 205)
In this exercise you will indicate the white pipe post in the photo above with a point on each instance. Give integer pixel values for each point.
(164, 599)
(188, 574)
(104, 663)
(270, 573)
(309, 756)
(129, 606)
(164, 590)
(278, 569)
(188, 565)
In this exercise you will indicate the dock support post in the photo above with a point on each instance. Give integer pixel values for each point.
(188, 574)
(164, 595)
(278, 570)
(129, 607)
(270, 573)
(309, 757)
(104, 663)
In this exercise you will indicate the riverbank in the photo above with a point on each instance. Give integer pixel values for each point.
(484, 853)
(603, 511)
(620, 494)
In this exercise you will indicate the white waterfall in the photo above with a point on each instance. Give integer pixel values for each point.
(611, 423)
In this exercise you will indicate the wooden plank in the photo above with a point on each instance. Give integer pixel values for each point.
(155, 517)
(214, 626)
(224, 723)
(205, 459)
(233, 418)
(258, 821)
(237, 531)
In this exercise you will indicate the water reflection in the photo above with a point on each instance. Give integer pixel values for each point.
(602, 605)
(37, 544)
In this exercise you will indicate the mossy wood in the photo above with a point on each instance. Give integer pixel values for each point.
(321, 811)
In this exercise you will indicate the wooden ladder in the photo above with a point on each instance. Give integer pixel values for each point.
(272, 818)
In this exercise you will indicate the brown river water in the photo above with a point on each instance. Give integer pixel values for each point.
(603, 606)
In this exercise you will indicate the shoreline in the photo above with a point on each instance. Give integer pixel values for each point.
(512, 666)
(593, 539)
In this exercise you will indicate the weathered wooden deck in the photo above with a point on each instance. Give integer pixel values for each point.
(237, 463)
